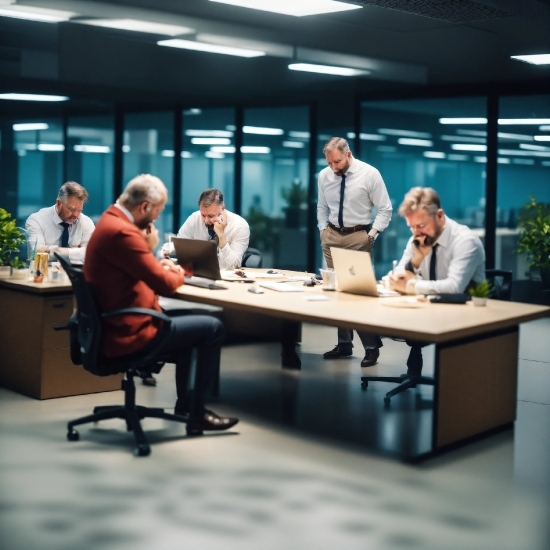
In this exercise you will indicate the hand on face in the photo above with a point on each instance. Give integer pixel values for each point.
(151, 235)
(220, 224)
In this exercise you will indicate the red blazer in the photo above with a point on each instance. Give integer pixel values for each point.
(122, 272)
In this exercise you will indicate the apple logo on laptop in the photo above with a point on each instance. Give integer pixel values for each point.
(352, 270)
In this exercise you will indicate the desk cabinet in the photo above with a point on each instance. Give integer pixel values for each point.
(34, 358)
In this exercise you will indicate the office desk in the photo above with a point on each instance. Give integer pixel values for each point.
(34, 358)
(475, 372)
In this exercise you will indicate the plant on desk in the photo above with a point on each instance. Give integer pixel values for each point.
(481, 292)
(19, 268)
(11, 238)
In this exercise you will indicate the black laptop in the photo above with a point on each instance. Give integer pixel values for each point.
(203, 256)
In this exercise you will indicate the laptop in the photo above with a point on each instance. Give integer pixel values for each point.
(355, 273)
(203, 256)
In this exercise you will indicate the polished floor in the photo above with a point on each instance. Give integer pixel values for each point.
(311, 465)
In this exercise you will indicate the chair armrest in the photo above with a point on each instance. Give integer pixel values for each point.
(138, 311)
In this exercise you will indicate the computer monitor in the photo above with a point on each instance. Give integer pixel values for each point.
(202, 255)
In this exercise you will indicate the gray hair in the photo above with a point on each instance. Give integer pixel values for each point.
(144, 187)
(338, 143)
(211, 196)
(72, 189)
(420, 197)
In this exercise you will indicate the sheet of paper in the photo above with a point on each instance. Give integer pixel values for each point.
(282, 287)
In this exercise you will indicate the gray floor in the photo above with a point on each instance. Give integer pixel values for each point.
(298, 472)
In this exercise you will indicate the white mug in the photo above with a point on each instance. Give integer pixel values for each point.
(329, 279)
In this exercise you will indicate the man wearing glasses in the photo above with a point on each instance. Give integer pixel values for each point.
(62, 227)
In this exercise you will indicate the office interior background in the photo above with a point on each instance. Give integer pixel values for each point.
(299, 474)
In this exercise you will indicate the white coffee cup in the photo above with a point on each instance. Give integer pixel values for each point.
(329, 279)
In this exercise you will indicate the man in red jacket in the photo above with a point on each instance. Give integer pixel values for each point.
(123, 272)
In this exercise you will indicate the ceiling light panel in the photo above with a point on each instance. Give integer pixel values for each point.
(33, 97)
(28, 126)
(523, 121)
(209, 133)
(327, 69)
(296, 8)
(209, 48)
(468, 147)
(263, 131)
(542, 138)
(138, 26)
(42, 15)
(404, 133)
(471, 120)
(417, 142)
(539, 59)
(210, 141)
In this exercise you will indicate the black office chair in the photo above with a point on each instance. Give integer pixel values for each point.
(86, 327)
(252, 258)
(501, 280)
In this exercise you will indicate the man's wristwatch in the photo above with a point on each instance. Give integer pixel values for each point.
(372, 237)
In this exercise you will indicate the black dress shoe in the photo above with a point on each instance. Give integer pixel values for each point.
(371, 357)
(148, 379)
(211, 422)
(338, 351)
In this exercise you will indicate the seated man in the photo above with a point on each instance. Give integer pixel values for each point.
(442, 256)
(123, 272)
(214, 222)
(62, 227)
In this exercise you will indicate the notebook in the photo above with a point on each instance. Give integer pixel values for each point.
(355, 273)
(202, 255)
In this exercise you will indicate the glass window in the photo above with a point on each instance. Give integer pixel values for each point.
(208, 158)
(275, 183)
(90, 153)
(439, 143)
(149, 149)
(523, 170)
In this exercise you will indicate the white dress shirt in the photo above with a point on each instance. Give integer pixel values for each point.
(364, 189)
(460, 259)
(44, 230)
(237, 234)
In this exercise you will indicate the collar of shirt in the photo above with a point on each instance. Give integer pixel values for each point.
(125, 210)
(56, 217)
(445, 235)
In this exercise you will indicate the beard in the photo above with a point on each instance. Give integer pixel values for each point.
(344, 169)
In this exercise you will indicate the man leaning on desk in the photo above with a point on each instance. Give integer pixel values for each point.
(62, 227)
(442, 256)
(123, 272)
(213, 222)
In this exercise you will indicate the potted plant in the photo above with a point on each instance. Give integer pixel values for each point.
(534, 241)
(19, 268)
(296, 197)
(11, 238)
(481, 292)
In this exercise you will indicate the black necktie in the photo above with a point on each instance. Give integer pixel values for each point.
(65, 235)
(341, 208)
(212, 235)
(433, 262)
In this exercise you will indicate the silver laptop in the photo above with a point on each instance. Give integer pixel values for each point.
(202, 255)
(355, 273)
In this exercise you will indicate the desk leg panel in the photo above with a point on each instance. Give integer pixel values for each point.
(476, 387)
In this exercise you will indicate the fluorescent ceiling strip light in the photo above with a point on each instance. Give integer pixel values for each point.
(257, 150)
(542, 138)
(27, 146)
(223, 149)
(372, 137)
(416, 142)
(186, 155)
(298, 135)
(478, 133)
(464, 138)
(33, 97)
(42, 15)
(92, 149)
(528, 162)
(518, 137)
(503, 160)
(294, 144)
(404, 133)
(296, 8)
(544, 128)
(210, 141)
(263, 131)
(213, 155)
(327, 69)
(468, 147)
(480, 159)
(51, 147)
(125, 148)
(188, 112)
(518, 153)
(434, 155)
(138, 26)
(521, 121)
(472, 120)
(530, 147)
(458, 157)
(209, 133)
(24, 127)
(537, 59)
(168, 153)
(209, 48)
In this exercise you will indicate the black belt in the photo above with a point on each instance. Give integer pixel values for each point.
(349, 229)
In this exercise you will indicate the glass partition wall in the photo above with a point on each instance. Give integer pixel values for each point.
(439, 143)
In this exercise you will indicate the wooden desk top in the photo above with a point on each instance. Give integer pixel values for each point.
(36, 288)
(430, 322)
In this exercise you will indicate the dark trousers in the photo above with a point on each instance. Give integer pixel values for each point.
(204, 333)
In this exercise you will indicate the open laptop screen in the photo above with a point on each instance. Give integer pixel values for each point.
(202, 255)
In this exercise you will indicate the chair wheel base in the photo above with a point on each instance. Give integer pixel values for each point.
(73, 435)
(364, 385)
(387, 400)
(142, 450)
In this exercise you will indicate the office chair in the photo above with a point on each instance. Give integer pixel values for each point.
(501, 281)
(86, 326)
(252, 258)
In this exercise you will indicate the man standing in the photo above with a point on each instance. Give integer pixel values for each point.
(62, 227)
(348, 191)
(123, 273)
(442, 256)
(214, 222)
